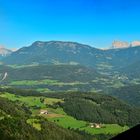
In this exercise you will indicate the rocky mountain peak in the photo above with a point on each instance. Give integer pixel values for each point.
(135, 43)
(120, 44)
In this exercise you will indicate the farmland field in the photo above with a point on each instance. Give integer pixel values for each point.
(43, 82)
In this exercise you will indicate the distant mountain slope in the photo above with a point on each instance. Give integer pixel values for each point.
(132, 71)
(54, 77)
(120, 58)
(65, 73)
(57, 52)
(130, 94)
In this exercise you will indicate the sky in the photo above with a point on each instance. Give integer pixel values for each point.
(94, 22)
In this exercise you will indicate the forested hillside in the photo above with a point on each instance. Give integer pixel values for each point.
(55, 78)
(130, 94)
(101, 108)
(14, 125)
(72, 83)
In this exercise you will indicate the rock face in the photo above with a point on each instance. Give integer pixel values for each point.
(120, 44)
(135, 43)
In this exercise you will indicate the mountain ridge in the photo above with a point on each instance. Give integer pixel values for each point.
(53, 51)
(59, 52)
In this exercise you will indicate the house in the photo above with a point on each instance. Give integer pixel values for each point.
(43, 112)
(95, 125)
(92, 126)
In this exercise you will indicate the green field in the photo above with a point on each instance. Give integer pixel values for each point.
(70, 122)
(60, 117)
(107, 129)
(22, 66)
(51, 101)
(43, 90)
(43, 82)
(30, 101)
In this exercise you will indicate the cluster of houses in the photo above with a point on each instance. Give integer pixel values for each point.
(95, 125)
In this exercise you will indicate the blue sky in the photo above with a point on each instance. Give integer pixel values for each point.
(93, 22)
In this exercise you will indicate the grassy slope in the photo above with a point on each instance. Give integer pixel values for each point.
(60, 117)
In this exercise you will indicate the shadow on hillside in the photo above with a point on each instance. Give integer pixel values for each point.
(131, 134)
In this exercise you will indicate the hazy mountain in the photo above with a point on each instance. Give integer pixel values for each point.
(57, 52)
(129, 93)
(4, 52)
(132, 71)
(54, 77)
(65, 73)
(119, 58)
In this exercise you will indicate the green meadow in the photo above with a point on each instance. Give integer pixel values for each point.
(43, 82)
(29, 101)
(59, 117)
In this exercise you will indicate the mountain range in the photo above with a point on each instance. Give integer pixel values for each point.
(54, 52)
(58, 52)
(78, 86)
(72, 66)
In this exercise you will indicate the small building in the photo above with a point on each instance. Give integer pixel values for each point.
(95, 125)
(43, 112)
(92, 126)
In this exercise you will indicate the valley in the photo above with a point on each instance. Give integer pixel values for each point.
(60, 78)
(83, 92)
